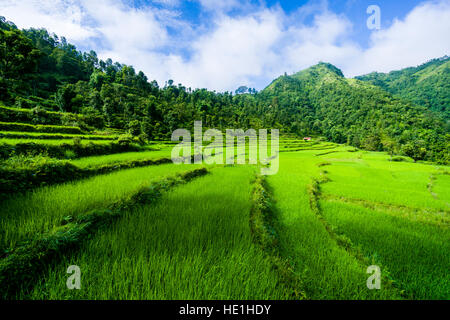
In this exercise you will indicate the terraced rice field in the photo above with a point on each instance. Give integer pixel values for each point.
(308, 232)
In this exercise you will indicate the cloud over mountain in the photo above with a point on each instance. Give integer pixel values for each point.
(232, 44)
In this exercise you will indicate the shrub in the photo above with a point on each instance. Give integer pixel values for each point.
(77, 142)
(125, 139)
(134, 128)
(38, 115)
(398, 159)
(69, 154)
(415, 150)
(142, 139)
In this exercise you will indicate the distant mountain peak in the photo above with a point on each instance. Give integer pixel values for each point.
(318, 74)
(328, 67)
(319, 71)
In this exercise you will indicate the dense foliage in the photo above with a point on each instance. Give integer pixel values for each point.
(427, 84)
(322, 101)
(57, 77)
(43, 73)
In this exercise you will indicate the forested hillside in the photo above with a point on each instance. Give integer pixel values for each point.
(322, 101)
(427, 85)
(97, 203)
(41, 72)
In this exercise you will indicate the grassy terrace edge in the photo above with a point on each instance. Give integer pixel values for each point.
(52, 136)
(66, 150)
(263, 226)
(20, 267)
(50, 172)
(15, 126)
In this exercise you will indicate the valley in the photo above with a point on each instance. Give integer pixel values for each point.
(355, 206)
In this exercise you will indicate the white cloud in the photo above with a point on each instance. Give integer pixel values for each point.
(64, 17)
(422, 35)
(236, 50)
(126, 28)
(250, 48)
(127, 35)
(255, 48)
(325, 40)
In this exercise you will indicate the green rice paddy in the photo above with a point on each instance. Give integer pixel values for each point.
(336, 211)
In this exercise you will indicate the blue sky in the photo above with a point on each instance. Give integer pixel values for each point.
(223, 44)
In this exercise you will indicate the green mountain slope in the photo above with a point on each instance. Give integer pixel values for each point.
(322, 101)
(427, 84)
(42, 72)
